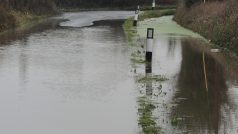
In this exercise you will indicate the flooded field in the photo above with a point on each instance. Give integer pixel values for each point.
(81, 76)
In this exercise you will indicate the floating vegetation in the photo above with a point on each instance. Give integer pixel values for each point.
(146, 119)
(157, 78)
(174, 121)
(135, 55)
(139, 61)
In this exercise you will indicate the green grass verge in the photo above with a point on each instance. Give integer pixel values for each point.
(128, 24)
(156, 13)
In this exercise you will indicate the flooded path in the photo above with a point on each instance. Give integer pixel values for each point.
(67, 80)
(183, 104)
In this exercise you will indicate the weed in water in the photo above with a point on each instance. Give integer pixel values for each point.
(146, 120)
(157, 78)
(174, 121)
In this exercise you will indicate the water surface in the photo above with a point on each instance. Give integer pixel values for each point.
(58, 80)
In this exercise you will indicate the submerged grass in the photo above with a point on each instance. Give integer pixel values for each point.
(157, 78)
(139, 61)
(128, 29)
(146, 119)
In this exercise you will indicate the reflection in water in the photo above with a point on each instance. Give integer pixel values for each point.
(148, 71)
(23, 61)
(171, 46)
(198, 107)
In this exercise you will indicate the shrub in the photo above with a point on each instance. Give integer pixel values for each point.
(6, 19)
(217, 21)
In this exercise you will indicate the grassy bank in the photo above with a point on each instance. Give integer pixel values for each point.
(156, 13)
(7, 19)
(11, 19)
(21, 21)
(26, 19)
(216, 21)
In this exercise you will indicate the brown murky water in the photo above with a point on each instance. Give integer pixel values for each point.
(212, 110)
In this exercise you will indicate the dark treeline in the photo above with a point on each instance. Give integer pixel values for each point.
(34, 6)
(190, 3)
(108, 3)
(39, 6)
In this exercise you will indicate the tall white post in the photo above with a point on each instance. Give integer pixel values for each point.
(149, 44)
(153, 5)
(136, 18)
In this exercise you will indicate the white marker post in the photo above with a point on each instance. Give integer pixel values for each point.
(153, 5)
(136, 18)
(149, 45)
(138, 7)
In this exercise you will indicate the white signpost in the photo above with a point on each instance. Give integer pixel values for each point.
(153, 5)
(149, 44)
(136, 18)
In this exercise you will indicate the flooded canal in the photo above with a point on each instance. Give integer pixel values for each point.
(67, 80)
(81, 77)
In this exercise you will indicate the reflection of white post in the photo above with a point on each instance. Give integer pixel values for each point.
(153, 5)
(138, 7)
(149, 87)
(136, 18)
(149, 45)
(148, 72)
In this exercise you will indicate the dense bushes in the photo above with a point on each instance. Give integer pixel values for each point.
(189, 3)
(33, 6)
(18, 12)
(6, 19)
(217, 21)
